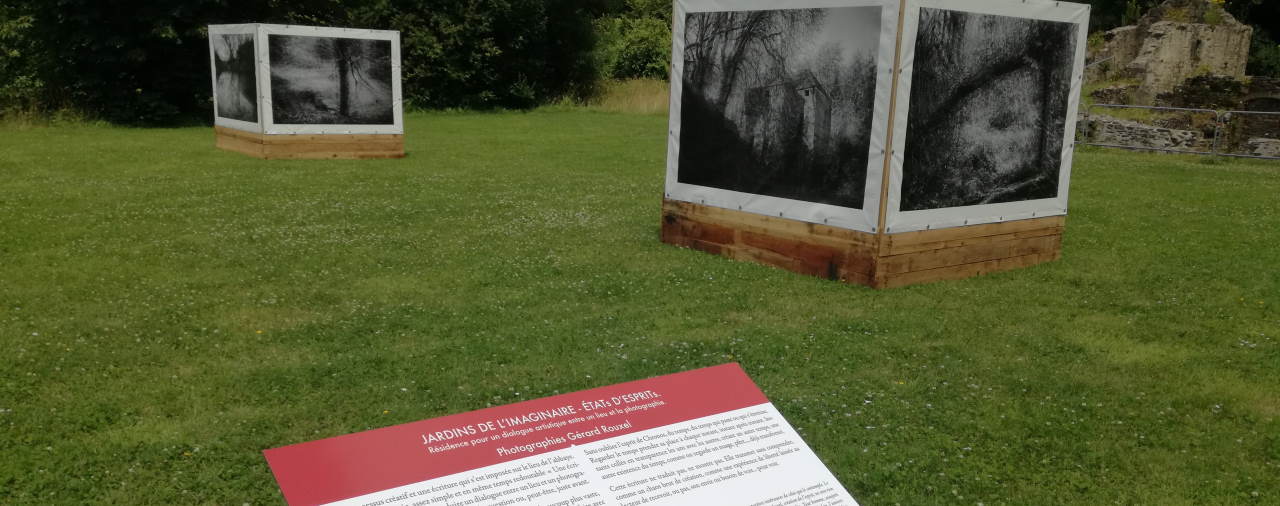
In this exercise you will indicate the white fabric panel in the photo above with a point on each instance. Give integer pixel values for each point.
(264, 79)
(213, 75)
(906, 221)
(844, 217)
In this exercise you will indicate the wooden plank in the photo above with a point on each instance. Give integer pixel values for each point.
(976, 253)
(311, 146)
(966, 232)
(772, 259)
(961, 271)
(858, 278)
(238, 145)
(901, 249)
(332, 139)
(679, 226)
(745, 240)
(743, 220)
(307, 138)
(807, 258)
(764, 257)
(857, 257)
(239, 134)
(704, 246)
(349, 155)
(331, 147)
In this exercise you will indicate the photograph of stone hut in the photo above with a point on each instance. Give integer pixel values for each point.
(779, 102)
(801, 98)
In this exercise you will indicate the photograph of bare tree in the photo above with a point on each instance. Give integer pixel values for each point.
(988, 111)
(780, 102)
(236, 76)
(330, 80)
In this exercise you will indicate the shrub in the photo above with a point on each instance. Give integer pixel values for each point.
(635, 43)
(20, 88)
(636, 48)
(489, 53)
(1264, 55)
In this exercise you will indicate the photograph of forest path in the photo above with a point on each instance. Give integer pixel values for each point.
(236, 89)
(330, 81)
(779, 102)
(988, 109)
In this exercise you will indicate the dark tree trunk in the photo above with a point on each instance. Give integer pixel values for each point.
(343, 50)
(750, 33)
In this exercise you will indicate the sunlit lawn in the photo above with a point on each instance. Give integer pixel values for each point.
(168, 310)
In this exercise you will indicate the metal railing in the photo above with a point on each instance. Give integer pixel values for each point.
(1221, 121)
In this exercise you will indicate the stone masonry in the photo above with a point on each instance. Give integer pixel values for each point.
(1119, 132)
(1177, 40)
(1264, 147)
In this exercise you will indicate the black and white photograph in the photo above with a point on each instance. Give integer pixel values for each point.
(330, 80)
(988, 109)
(236, 76)
(780, 102)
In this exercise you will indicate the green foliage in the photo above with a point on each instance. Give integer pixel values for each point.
(1178, 15)
(633, 48)
(1214, 16)
(130, 62)
(20, 88)
(489, 53)
(1264, 55)
(1097, 40)
(1264, 16)
(635, 43)
(1133, 11)
(147, 62)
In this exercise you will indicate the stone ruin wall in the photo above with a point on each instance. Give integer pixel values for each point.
(1160, 54)
(1119, 132)
(1163, 60)
(1156, 56)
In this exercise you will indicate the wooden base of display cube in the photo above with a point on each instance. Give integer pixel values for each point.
(875, 260)
(310, 146)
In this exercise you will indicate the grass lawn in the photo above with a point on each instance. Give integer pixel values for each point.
(168, 311)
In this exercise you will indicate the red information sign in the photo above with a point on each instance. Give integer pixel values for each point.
(672, 440)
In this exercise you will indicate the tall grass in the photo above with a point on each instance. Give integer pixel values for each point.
(635, 96)
(34, 117)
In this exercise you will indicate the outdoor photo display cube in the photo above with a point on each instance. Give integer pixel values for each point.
(880, 142)
(306, 92)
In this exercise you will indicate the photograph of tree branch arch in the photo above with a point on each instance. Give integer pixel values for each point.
(779, 102)
(330, 80)
(988, 108)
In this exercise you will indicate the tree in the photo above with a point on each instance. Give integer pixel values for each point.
(20, 87)
(146, 62)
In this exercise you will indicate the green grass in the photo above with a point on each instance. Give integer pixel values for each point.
(168, 310)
